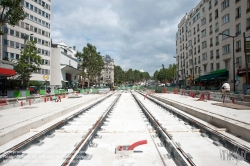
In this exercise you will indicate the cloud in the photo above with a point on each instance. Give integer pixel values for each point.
(136, 34)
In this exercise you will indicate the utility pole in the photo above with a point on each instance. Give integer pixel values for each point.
(246, 62)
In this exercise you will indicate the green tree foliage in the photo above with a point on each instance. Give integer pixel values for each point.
(119, 74)
(91, 62)
(169, 73)
(28, 63)
(11, 12)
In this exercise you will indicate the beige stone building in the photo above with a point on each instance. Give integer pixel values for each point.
(37, 26)
(203, 54)
(107, 74)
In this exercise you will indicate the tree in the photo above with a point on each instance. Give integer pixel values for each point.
(91, 62)
(28, 63)
(155, 76)
(130, 76)
(118, 74)
(11, 12)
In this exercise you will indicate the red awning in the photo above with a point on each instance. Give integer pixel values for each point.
(7, 72)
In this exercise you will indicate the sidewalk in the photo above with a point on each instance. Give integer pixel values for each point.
(236, 121)
(17, 121)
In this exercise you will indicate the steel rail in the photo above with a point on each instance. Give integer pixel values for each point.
(15, 150)
(229, 140)
(72, 157)
(185, 159)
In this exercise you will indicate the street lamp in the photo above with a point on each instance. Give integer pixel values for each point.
(192, 61)
(233, 58)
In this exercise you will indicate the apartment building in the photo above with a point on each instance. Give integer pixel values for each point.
(107, 74)
(203, 53)
(37, 26)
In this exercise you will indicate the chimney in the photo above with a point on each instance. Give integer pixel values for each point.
(74, 47)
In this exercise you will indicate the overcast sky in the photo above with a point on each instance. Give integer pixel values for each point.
(137, 34)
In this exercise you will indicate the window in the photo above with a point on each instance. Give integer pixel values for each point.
(211, 41)
(204, 56)
(217, 40)
(238, 12)
(211, 29)
(17, 45)
(238, 44)
(12, 32)
(217, 66)
(225, 19)
(225, 4)
(17, 56)
(198, 28)
(198, 38)
(226, 32)
(238, 29)
(5, 42)
(203, 21)
(205, 68)
(248, 24)
(198, 49)
(216, 13)
(239, 61)
(31, 7)
(210, 17)
(227, 64)
(11, 55)
(217, 52)
(204, 44)
(211, 53)
(11, 43)
(189, 42)
(35, 9)
(189, 33)
(203, 32)
(226, 49)
(212, 66)
(27, 5)
(217, 27)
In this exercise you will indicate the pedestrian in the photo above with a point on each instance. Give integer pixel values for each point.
(225, 88)
(200, 85)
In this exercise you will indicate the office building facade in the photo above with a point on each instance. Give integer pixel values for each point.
(203, 53)
(37, 26)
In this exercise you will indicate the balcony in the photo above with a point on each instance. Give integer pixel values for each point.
(237, 33)
(210, 7)
(211, 45)
(199, 51)
(210, 32)
(217, 43)
(238, 50)
(217, 30)
(248, 28)
(215, 17)
(238, 16)
(198, 40)
(199, 62)
(198, 30)
(215, 3)
(248, 10)
(212, 57)
(217, 56)
(210, 19)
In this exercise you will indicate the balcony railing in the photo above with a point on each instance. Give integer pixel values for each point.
(215, 3)
(217, 43)
(198, 40)
(238, 50)
(199, 62)
(238, 16)
(248, 28)
(217, 56)
(210, 32)
(199, 51)
(211, 57)
(216, 30)
(210, 19)
(237, 33)
(248, 10)
(198, 30)
(211, 45)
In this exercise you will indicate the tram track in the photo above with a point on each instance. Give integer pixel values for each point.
(18, 148)
(212, 133)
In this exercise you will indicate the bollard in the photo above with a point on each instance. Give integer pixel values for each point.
(50, 98)
(44, 99)
(21, 103)
(29, 102)
(145, 96)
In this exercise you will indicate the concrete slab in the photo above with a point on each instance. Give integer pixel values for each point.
(18, 121)
(233, 106)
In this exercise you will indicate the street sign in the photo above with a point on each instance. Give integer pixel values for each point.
(45, 77)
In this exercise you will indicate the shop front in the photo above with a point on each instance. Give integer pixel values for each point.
(6, 70)
(213, 80)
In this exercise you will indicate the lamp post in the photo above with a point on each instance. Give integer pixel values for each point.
(192, 62)
(233, 59)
